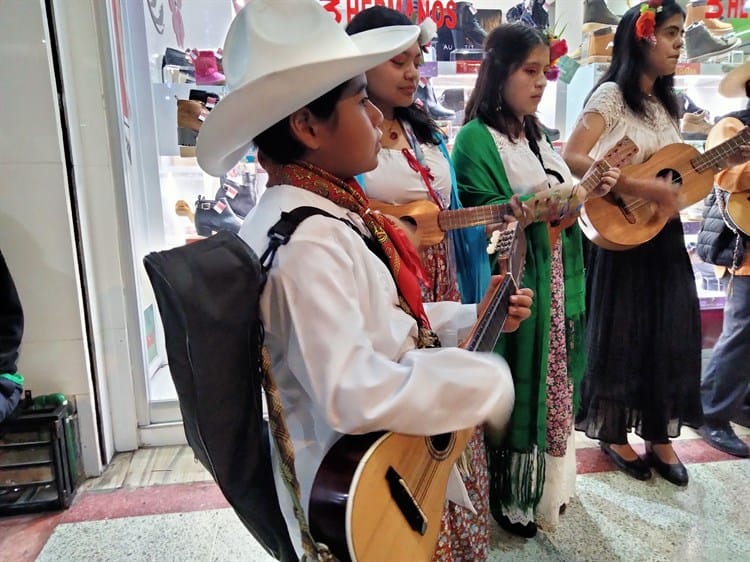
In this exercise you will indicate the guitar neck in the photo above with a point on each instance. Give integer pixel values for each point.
(489, 214)
(472, 216)
(489, 326)
(714, 156)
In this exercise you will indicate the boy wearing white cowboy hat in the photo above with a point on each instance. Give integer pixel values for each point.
(725, 387)
(346, 329)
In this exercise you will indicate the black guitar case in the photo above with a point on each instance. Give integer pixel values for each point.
(208, 297)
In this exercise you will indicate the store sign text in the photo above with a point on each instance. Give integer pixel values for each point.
(442, 11)
(726, 8)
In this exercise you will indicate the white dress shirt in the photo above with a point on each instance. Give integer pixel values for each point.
(344, 353)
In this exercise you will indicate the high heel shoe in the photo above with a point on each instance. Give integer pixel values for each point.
(637, 468)
(215, 215)
(675, 473)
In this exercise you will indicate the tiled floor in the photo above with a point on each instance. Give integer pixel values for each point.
(160, 505)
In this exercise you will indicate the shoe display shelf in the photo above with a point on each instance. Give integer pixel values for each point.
(700, 80)
(40, 464)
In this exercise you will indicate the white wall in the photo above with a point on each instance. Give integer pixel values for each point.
(36, 229)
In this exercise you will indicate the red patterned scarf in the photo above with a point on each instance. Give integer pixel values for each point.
(403, 260)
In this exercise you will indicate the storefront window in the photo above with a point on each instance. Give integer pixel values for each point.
(174, 65)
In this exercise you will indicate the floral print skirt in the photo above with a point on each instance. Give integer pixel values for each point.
(465, 536)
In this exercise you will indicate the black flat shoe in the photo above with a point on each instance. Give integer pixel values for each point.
(519, 529)
(636, 468)
(676, 473)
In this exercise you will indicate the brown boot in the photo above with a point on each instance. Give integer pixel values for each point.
(190, 117)
(696, 11)
(190, 114)
(695, 126)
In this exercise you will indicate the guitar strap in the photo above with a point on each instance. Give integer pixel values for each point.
(278, 235)
(534, 146)
(418, 164)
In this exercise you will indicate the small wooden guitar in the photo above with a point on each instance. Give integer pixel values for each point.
(431, 223)
(381, 496)
(738, 209)
(621, 222)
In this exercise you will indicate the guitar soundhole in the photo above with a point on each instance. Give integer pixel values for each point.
(676, 177)
(440, 445)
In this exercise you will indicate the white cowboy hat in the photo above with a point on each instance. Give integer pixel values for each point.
(280, 55)
(733, 84)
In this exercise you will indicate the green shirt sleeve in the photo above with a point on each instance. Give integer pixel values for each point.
(13, 377)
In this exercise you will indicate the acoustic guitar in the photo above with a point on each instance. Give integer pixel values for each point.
(620, 222)
(380, 496)
(429, 223)
(738, 209)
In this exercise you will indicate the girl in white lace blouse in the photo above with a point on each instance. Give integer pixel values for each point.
(644, 330)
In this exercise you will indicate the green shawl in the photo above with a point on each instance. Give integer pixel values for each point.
(482, 181)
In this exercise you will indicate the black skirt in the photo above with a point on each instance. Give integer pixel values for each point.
(643, 341)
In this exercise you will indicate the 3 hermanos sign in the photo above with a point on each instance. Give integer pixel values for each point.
(442, 11)
(726, 8)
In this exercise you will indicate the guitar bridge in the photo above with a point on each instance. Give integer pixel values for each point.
(406, 501)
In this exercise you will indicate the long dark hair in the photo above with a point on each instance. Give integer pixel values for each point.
(629, 59)
(507, 46)
(425, 129)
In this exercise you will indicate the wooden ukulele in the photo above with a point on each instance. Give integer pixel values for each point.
(429, 223)
(381, 496)
(621, 222)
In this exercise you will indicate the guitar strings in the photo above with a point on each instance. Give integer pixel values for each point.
(479, 216)
(722, 151)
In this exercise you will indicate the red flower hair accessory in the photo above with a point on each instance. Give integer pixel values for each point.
(645, 25)
(557, 48)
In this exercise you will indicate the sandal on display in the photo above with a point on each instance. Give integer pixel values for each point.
(182, 209)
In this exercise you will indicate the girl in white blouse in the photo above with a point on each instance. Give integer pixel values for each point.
(644, 330)
(414, 165)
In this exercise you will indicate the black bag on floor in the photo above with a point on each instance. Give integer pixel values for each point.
(208, 296)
